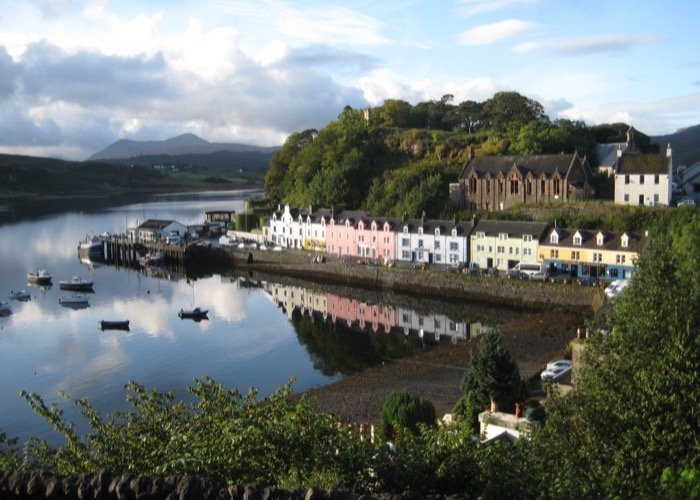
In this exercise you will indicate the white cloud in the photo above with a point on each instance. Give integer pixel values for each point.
(470, 8)
(586, 45)
(492, 33)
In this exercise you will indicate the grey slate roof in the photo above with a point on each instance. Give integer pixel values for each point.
(536, 165)
(612, 240)
(156, 224)
(606, 154)
(514, 229)
(643, 163)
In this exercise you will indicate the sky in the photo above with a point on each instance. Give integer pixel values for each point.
(77, 75)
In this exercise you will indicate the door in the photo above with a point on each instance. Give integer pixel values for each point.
(641, 199)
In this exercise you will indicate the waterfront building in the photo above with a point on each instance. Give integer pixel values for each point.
(431, 325)
(496, 244)
(376, 238)
(341, 237)
(644, 179)
(581, 252)
(433, 241)
(499, 182)
(285, 227)
(359, 314)
(314, 229)
(154, 230)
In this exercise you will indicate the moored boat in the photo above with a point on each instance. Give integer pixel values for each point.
(76, 283)
(196, 314)
(76, 301)
(91, 245)
(40, 277)
(114, 325)
(5, 309)
(19, 295)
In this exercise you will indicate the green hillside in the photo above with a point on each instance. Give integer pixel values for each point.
(26, 176)
(399, 158)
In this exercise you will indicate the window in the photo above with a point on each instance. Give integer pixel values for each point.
(527, 237)
(500, 187)
(656, 179)
(500, 249)
(480, 234)
(597, 257)
(502, 236)
(437, 245)
(543, 186)
(627, 179)
(556, 186)
(438, 257)
(577, 239)
(656, 198)
(437, 323)
(620, 259)
(405, 254)
(554, 238)
(405, 242)
(527, 251)
(554, 254)
(513, 186)
(627, 197)
(529, 187)
(575, 255)
(420, 243)
(641, 179)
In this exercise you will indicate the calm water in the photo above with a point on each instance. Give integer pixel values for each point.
(258, 335)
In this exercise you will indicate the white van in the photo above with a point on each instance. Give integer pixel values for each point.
(529, 269)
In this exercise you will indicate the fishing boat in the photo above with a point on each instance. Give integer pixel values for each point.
(40, 277)
(19, 295)
(5, 309)
(75, 301)
(91, 245)
(76, 283)
(115, 325)
(196, 314)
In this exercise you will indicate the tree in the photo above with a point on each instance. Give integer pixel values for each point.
(507, 110)
(281, 160)
(405, 411)
(492, 375)
(631, 426)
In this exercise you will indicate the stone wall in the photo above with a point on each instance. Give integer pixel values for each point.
(433, 282)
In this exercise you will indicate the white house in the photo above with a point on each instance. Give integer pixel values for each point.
(433, 241)
(285, 227)
(153, 230)
(644, 179)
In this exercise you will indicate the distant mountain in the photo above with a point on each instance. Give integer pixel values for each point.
(685, 144)
(181, 145)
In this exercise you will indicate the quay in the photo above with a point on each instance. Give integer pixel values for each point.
(119, 250)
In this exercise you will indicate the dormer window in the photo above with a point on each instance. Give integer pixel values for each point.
(527, 237)
(480, 234)
(600, 239)
(405, 229)
(502, 236)
(554, 238)
(420, 230)
(454, 233)
(437, 232)
(625, 241)
(577, 239)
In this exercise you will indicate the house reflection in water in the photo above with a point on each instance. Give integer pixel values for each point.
(375, 317)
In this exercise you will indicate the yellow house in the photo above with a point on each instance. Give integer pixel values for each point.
(582, 252)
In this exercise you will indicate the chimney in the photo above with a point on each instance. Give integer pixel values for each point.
(403, 217)
(619, 151)
(494, 406)
(668, 150)
(518, 409)
(422, 217)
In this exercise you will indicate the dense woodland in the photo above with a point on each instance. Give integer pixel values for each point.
(402, 159)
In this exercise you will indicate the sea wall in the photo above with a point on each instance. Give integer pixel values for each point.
(432, 282)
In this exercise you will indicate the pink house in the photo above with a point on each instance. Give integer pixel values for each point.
(376, 239)
(341, 233)
(361, 314)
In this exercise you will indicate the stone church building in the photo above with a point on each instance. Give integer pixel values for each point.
(498, 182)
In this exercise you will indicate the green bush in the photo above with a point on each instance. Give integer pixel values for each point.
(401, 410)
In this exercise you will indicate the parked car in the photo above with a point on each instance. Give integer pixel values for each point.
(587, 280)
(561, 278)
(277, 248)
(686, 202)
(555, 369)
(615, 288)
(540, 276)
(516, 274)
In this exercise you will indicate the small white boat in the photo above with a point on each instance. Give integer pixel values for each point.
(76, 301)
(19, 295)
(5, 309)
(40, 277)
(76, 283)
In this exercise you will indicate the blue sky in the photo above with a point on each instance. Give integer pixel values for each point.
(77, 75)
